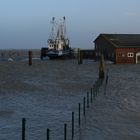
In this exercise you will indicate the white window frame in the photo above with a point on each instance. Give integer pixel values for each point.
(130, 54)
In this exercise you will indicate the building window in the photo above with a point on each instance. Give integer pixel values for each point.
(121, 54)
(130, 54)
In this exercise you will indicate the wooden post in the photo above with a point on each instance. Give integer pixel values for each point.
(96, 91)
(91, 95)
(30, 58)
(84, 105)
(65, 131)
(98, 86)
(106, 82)
(87, 99)
(72, 125)
(79, 114)
(23, 128)
(42, 52)
(101, 67)
(48, 134)
(79, 57)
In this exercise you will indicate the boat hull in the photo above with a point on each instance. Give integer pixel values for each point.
(53, 54)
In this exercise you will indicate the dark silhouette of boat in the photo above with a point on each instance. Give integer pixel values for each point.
(58, 43)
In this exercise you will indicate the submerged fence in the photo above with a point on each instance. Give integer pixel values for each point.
(88, 99)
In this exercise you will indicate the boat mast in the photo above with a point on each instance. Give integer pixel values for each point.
(53, 34)
(64, 27)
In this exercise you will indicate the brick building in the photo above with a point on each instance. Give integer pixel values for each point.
(119, 48)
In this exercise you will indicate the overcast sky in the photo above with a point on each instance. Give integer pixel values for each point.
(26, 23)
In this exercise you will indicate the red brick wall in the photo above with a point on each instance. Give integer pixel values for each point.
(122, 55)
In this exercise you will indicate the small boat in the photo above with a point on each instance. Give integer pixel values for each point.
(10, 59)
(58, 43)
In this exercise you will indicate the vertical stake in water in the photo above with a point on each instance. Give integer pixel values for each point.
(93, 91)
(48, 134)
(84, 106)
(91, 95)
(98, 85)
(87, 99)
(23, 128)
(79, 114)
(102, 67)
(65, 131)
(79, 57)
(72, 125)
(30, 58)
(106, 82)
(96, 88)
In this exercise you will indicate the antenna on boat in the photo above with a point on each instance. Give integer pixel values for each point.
(64, 26)
(53, 18)
(53, 28)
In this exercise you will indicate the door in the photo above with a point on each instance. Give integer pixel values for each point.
(138, 58)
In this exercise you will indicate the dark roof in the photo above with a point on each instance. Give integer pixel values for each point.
(123, 40)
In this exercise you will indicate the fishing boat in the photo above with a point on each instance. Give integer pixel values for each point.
(58, 42)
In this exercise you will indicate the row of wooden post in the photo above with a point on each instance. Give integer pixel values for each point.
(89, 98)
(93, 93)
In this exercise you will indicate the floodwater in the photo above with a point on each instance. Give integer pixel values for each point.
(47, 93)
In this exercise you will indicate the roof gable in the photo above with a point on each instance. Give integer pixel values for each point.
(123, 40)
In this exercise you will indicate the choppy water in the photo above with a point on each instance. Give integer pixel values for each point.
(47, 92)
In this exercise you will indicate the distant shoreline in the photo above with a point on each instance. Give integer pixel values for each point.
(17, 53)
